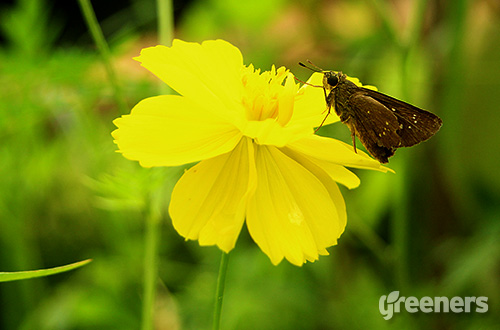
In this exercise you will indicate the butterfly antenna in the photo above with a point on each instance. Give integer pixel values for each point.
(306, 83)
(312, 67)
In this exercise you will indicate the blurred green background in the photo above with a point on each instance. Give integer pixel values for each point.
(431, 229)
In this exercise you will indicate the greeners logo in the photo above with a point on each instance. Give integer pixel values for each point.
(393, 303)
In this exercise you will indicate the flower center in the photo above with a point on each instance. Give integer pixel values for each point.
(267, 96)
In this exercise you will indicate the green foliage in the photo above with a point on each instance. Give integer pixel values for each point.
(27, 28)
(431, 229)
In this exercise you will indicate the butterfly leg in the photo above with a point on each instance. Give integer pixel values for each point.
(327, 110)
(354, 141)
(345, 119)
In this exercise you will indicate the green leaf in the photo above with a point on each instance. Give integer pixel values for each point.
(13, 276)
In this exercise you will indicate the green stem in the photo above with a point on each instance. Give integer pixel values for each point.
(417, 23)
(165, 21)
(372, 241)
(410, 47)
(165, 31)
(96, 32)
(382, 9)
(152, 235)
(400, 227)
(402, 215)
(219, 294)
(453, 108)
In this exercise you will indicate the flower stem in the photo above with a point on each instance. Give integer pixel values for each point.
(219, 294)
(381, 7)
(402, 215)
(165, 21)
(152, 234)
(96, 32)
(165, 31)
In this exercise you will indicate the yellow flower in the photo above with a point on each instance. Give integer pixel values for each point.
(260, 162)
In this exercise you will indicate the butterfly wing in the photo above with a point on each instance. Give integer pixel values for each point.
(416, 125)
(375, 125)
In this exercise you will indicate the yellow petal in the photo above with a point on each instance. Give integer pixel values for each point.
(337, 173)
(270, 132)
(292, 214)
(170, 131)
(207, 73)
(326, 177)
(336, 152)
(287, 100)
(208, 202)
(358, 83)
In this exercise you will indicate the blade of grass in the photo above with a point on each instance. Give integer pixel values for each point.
(102, 46)
(15, 276)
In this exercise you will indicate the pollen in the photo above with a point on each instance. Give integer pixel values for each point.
(267, 94)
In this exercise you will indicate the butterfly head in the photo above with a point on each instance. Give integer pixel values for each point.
(331, 79)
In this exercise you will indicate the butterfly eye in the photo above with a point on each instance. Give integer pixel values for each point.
(333, 80)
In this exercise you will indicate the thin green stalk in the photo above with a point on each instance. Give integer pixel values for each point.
(96, 32)
(399, 223)
(165, 31)
(407, 45)
(452, 106)
(152, 235)
(417, 23)
(382, 9)
(165, 21)
(400, 226)
(402, 216)
(410, 47)
(372, 241)
(219, 293)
